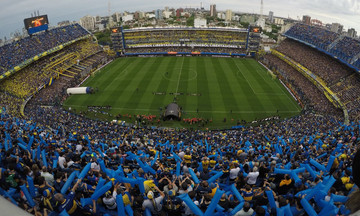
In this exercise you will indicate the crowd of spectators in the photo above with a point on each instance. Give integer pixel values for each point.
(183, 36)
(349, 92)
(342, 47)
(17, 52)
(29, 80)
(55, 162)
(342, 80)
(326, 67)
(186, 49)
(246, 158)
(309, 94)
(311, 34)
(346, 49)
(25, 83)
(53, 95)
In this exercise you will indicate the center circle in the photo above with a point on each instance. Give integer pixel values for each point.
(173, 74)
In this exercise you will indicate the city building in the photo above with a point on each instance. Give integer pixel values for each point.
(236, 18)
(306, 19)
(352, 33)
(228, 15)
(158, 14)
(137, 15)
(200, 23)
(64, 23)
(141, 15)
(278, 21)
(247, 18)
(328, 26)
(337, 27)
(167, 14)
(213, 10)
(98, 19)
(117, 17)
(221, 15)
(110, 23)
(271, 16)
(127, 17)
(185, 14)
(179, 11)
(150, 15)
(100, 27)
(88, 22)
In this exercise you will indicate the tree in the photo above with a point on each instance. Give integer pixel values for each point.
(210, 19)
(245, 24)
(190, 21)
(103, 37)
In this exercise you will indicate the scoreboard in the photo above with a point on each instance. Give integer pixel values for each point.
(115, 30)
(255, 29)
(36, 24)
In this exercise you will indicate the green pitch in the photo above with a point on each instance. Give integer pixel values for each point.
(224, 91)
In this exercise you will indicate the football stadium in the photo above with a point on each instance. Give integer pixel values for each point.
(179, 120)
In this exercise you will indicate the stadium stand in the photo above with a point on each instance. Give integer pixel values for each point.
(181, 49)
(346, 48)
(75, 143)
(343, 80)
(72, 62)
(324, 66)
(334, 44)
(313, 35)
(189, 39)
(55, 162)
(17, 52)
(309, 94)
(357, 63)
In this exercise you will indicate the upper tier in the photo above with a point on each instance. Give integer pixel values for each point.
(341, 47)
(13, 54)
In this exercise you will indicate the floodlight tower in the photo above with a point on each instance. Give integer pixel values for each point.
(262, 10)
(109, 7)
(110, 18)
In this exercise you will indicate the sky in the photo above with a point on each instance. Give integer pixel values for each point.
(13, 12)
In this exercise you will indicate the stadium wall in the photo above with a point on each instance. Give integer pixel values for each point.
(317, 81)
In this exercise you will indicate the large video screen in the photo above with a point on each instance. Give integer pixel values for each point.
(255, 29)
(36, 21)
(116, 30)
